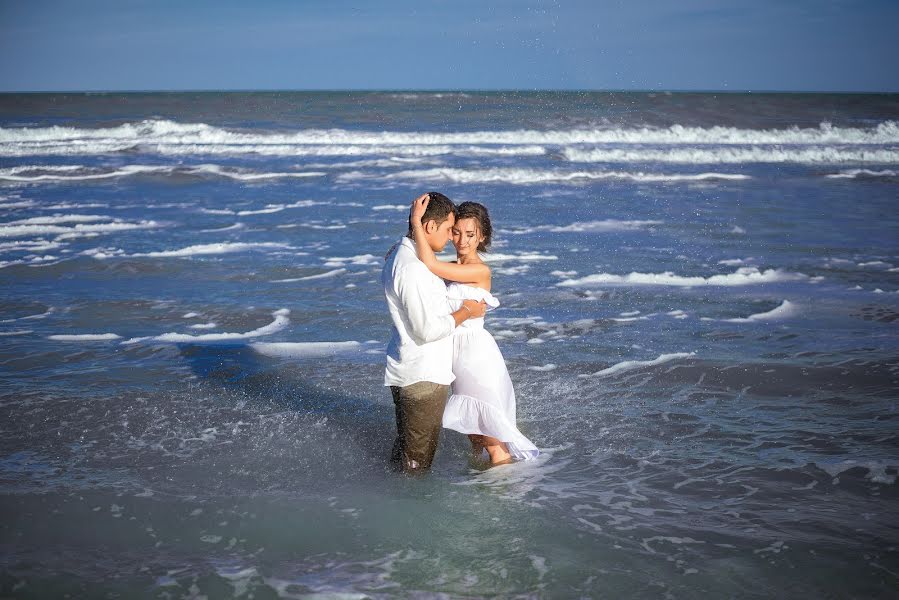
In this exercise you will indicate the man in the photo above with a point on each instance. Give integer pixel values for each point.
(420, 352)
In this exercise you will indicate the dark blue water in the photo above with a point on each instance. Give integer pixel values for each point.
(700, 296)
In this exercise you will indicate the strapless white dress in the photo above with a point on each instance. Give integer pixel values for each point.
(482, 400)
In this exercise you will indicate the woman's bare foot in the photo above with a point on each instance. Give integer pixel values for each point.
(498, 451)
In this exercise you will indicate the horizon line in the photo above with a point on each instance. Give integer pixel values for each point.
(442, 91)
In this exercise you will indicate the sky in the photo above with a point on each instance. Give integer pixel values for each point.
(728, 45)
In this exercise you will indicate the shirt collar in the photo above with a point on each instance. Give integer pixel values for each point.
(409, 244)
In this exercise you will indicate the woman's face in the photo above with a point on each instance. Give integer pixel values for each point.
(466, 236)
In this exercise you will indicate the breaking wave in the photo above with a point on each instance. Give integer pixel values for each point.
(169, 137)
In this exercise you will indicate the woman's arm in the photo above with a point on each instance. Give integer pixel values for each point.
(472, 273)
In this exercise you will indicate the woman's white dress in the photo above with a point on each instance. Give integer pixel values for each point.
(482, 400)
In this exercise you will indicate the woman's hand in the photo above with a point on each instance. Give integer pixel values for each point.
(477, 309)
(419, 205)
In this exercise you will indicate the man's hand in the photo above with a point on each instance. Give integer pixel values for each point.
(419, 205)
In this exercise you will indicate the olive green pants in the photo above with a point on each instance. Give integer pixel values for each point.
(419, 417)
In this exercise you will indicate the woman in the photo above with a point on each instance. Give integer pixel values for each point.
(482, 400)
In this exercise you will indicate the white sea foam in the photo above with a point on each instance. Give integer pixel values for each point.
(875, 263)
(519, 270)
(495, 257)
(267, 209)
(785, 310)
(35, 174)
(734, 155)
(103, 253)
(381, 163)
(13, 230)
(391, 207)
(321, 227)
(603, 226)
(862, 174)
(243, 175)
(629, 319)
(220, 229)
(743, 276)
(734, 262)
(878, 471)
(534, 176)
(172, 147)
(16, 204)
(359, 259)
(54, 219)
(75, 235)
(197, 136)
(281, 321)
(76, 206)
(204, 326)
(207, 249)
(39, 245)
(14, 332)
(34, 317)
(304, 349)
(325, 275)
(630, 365)
(413, 152)
(40, 260)
(41, 173)
(87, 337)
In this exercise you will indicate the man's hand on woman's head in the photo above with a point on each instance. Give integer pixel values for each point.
(419, 205)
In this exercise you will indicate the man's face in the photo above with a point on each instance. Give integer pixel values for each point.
(438, 239)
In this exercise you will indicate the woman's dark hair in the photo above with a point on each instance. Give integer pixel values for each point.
(478, 212)
(439, 209)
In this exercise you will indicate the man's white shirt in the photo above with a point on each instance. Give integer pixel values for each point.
(421, 344)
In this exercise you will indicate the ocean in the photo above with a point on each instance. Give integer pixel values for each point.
(700, 302)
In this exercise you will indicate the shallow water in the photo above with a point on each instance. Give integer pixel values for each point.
(699, 312)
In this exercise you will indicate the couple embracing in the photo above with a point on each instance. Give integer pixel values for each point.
(443, 368)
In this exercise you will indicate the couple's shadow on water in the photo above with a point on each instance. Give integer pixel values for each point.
(349, 398)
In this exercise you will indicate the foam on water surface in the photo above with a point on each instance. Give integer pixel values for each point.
(209, 249)
(862, 173)
(75, 173)
(785, 310)
(25, 230)
(743, 276)
(281, 321)
(304, 349)
(536, 176)
(325, 275)
(85, 337)
(603, 226)
(189, 134)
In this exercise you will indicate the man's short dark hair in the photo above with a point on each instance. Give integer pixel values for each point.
(439, 209)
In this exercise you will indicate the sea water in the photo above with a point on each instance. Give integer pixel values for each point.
(700, 302)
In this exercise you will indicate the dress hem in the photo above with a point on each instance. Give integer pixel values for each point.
(519, 446)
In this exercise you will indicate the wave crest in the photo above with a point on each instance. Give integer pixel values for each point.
(169, 137)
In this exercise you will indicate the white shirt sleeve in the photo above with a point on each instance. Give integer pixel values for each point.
(425, 306)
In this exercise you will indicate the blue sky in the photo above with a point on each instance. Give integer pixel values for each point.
(801, 45)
